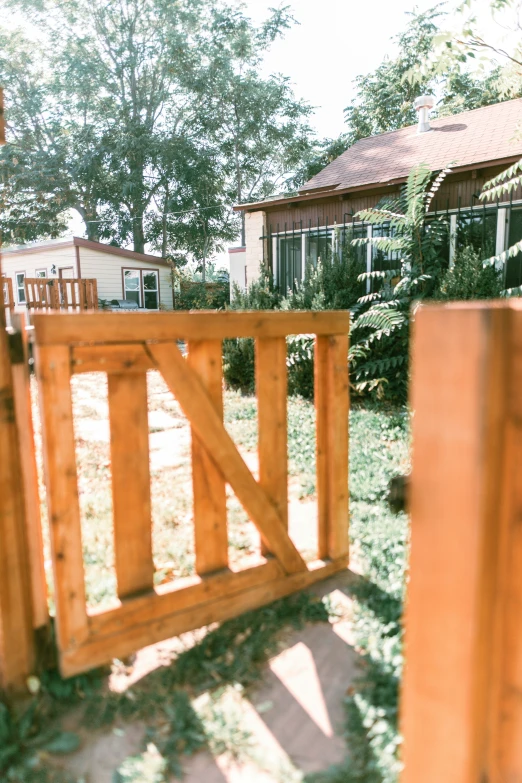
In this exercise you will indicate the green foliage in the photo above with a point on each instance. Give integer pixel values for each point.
(331, 285)
(183, 126)
(413, 250)
(468, 278)
(239, 364)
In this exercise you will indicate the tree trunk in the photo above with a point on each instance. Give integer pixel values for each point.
(138, 235)
(90, 218)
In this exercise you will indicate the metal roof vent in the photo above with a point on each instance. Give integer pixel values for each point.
(423, 106)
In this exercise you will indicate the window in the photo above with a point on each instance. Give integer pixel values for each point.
(318, 247)
(41, 273)
(289, 263)
(478, 229)
(141, 286)
(150, 290)
(20, 288)
(514, 235)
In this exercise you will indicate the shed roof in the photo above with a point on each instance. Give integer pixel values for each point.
(100, 247)
(469, 139)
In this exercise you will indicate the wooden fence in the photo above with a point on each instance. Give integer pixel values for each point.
(7, 293)
(61, 293)
(124, 348)
(462, 690)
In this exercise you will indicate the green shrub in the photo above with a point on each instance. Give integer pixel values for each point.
(468, 278)
(239, 364)
(194, 295)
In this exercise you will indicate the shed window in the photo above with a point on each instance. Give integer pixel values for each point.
(20, 287)
(141, 286)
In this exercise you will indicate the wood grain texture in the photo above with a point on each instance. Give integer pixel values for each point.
(33, 522)
(53, 371)
(179, 595)
(332, 409)
(64, 328)
(460, 361)
(110, 358)
(128, 418)
(200, 411)
(271, 392)
(209, 489)
(17, 653)
(99, 651)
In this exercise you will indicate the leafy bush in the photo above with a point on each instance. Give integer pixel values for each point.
(239, 364)
(468, 278)
(381, 328)
(194, 295)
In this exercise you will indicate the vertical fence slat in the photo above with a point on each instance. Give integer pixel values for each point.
(332, 406)
(210, 508)
(53, 369)
(505, 746)
(128, 416)
(24, 421)
(460, 369)
(271, 390)
(17, 654)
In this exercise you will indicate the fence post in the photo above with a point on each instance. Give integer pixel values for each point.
(461, 709)
(16, 622)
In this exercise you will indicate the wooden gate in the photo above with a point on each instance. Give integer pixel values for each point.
(61, 293)
(125, 347)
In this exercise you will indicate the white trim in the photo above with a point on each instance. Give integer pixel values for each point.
(369, 259)
(502, 219)
(18, 288)
(453, 238)
(303, 256)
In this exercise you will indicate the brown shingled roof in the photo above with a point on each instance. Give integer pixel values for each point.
(471, 137)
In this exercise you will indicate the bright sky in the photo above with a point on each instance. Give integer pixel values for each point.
(335, 41)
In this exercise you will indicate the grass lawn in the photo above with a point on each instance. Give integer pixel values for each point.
(166, 700)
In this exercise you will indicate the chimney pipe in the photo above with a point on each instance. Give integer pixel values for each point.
(423, 106)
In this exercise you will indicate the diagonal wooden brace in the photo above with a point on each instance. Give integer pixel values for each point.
(198, 408)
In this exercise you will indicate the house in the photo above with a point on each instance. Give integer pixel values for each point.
(120, 274)
(288, 232)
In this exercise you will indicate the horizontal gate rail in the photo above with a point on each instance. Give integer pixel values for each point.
(126, 348)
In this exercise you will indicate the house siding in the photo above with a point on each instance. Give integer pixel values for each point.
(29, 262)
(107, 269)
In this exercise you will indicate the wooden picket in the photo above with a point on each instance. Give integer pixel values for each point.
(72, 294)
(462, 690)
(125, 348)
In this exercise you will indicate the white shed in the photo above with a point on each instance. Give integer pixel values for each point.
(120, 274)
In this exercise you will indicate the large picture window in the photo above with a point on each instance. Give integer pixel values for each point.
(478, 229)
(141, 286)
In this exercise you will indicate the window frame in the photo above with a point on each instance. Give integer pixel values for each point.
(18, 301)
(40, 273)
(141, 289)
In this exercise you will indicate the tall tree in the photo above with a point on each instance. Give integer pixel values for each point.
(262, 130)
(130, 87)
